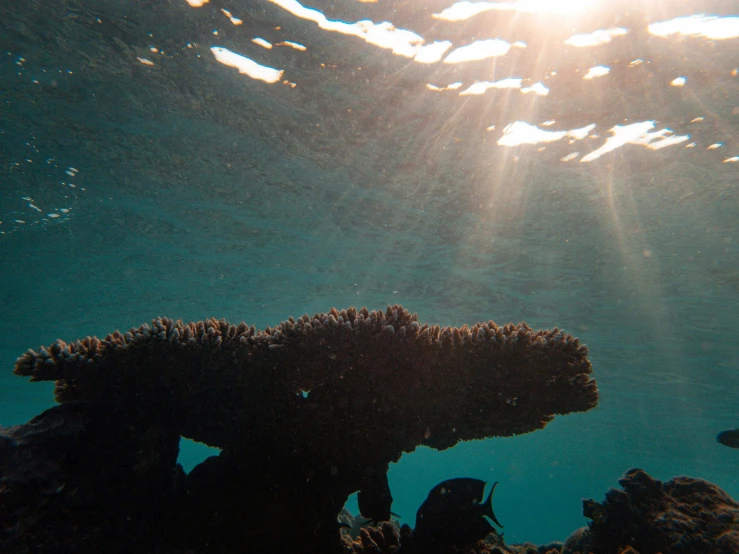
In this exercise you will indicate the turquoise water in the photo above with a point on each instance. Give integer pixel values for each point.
(184, 188)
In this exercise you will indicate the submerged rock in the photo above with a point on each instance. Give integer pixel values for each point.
(680, 516)
(81, 478)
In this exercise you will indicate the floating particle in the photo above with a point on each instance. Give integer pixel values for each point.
(731, 160)
(53, 216)
(145, 61)
(678, 82)
(34, 207)
(715, 145)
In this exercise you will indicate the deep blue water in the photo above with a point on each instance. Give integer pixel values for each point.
(177, 186)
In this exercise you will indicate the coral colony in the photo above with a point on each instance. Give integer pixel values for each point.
(305, 414)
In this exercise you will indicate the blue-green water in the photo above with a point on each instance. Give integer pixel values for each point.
(183, 188)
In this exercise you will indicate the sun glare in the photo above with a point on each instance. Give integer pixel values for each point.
(461, 11)
(636, 133)
(700, 25)
(479, 50)
(596, 38)
(411, 45)
(597, 71)
(246, 66)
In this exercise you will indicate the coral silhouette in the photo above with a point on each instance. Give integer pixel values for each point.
(305, 413)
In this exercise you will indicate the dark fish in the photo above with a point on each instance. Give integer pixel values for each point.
(729, 438)
(454, 513)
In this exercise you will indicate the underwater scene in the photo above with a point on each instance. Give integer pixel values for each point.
(319, 276)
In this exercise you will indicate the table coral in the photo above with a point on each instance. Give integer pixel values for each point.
(316, 408)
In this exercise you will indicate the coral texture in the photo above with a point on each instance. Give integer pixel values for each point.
(314, 409)
(681, 516)
(401, 379)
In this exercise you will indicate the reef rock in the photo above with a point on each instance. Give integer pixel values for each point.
(681, 516)
(83, 478)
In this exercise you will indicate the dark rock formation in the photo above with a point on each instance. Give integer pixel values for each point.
(681, 516)
(578, 542)
(84, 478)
